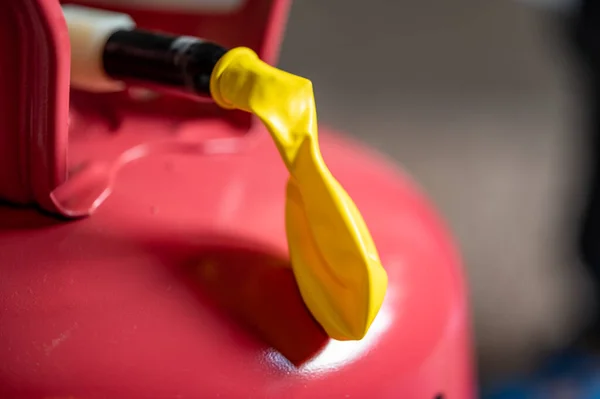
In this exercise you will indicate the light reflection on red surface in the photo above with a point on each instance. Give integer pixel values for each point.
(339, 353)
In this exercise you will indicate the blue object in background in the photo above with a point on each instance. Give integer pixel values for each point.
(571, 375)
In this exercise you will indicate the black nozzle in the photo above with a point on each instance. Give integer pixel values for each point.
(179, 62)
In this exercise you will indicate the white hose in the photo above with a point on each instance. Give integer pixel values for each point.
(89, 30)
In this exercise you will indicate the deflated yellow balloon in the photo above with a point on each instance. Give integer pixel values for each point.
(333, 256)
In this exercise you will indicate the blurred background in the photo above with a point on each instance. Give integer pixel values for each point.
(480, 102)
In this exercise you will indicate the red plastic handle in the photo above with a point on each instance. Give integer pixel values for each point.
(36, 154)
(34, 98)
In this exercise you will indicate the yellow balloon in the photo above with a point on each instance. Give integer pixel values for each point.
(334, 259)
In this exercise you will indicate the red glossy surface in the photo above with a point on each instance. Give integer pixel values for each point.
(177, 286)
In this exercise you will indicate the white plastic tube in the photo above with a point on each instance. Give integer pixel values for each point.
(89, 29)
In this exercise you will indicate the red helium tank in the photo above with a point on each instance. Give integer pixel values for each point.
(143, 251)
